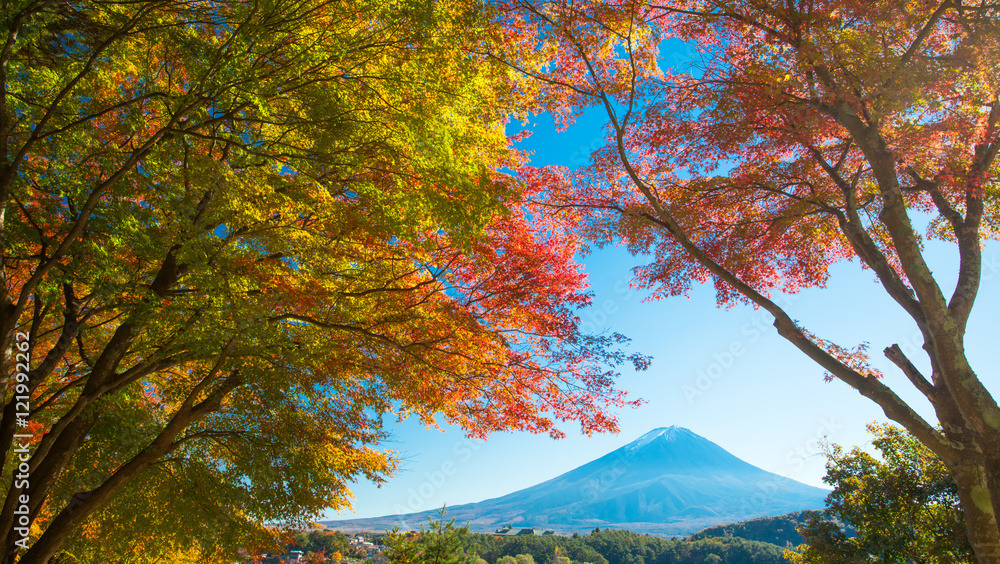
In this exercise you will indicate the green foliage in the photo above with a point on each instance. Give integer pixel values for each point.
(519, 559)
(623, 547)
(322, 542)
(439, 543)
(780, 530)
(240, 234)
(904, 506)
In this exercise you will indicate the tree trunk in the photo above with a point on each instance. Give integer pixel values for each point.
(980, 515)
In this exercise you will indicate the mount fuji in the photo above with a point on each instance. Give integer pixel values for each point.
(669, 481)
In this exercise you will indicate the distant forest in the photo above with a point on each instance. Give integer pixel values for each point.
(780, 530)
(626, 547)
(599, 547)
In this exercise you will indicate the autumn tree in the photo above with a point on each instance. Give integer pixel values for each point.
(901, 506)
(235, 236)
(803, 133)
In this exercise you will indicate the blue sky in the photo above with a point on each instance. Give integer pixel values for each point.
(725, 375)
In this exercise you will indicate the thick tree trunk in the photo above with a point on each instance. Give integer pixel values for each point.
(970, 463)
(84, 504)
(980, 515)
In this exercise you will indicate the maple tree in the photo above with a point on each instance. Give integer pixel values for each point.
(804, 133)
(236, 235)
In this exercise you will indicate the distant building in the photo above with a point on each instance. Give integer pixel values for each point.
(510, 531)
(293, 556)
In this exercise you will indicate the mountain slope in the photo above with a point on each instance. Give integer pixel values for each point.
(669, 481)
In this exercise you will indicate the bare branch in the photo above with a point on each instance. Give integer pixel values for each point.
(895, 354)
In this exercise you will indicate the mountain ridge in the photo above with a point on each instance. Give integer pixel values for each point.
(668, 481)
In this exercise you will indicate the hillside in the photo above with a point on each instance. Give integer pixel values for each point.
(778, 530)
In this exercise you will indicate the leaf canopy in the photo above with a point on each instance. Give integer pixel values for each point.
(241, 234)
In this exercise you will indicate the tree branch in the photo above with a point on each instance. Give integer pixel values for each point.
(895, 354)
